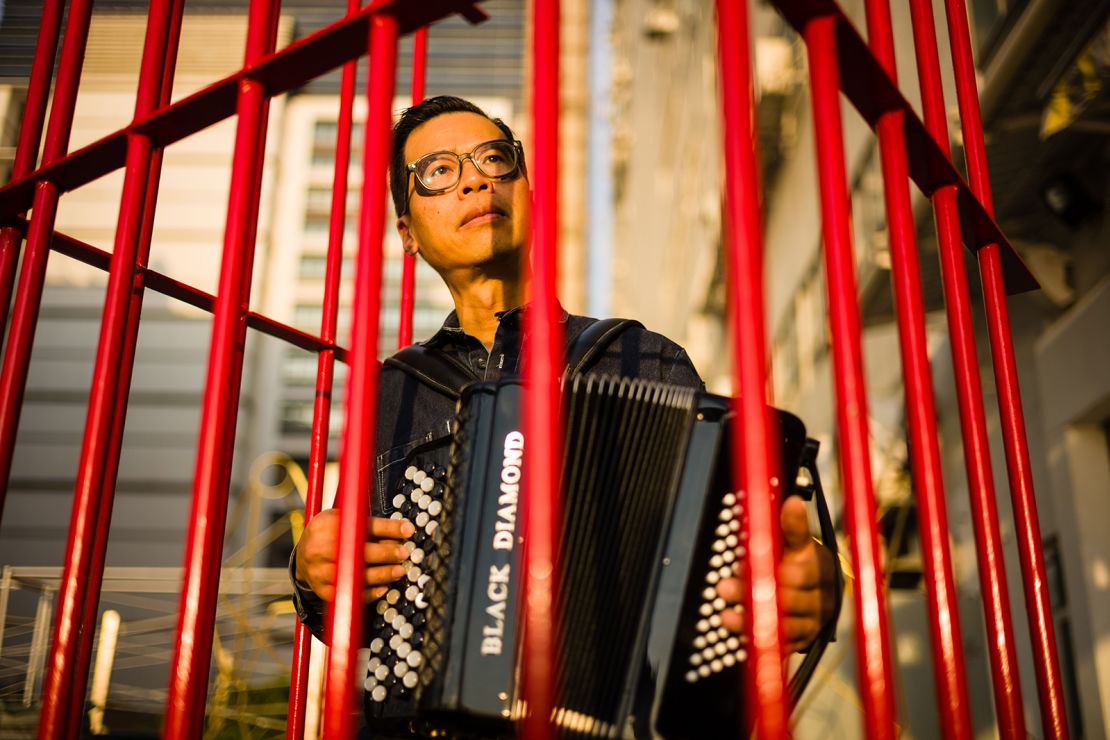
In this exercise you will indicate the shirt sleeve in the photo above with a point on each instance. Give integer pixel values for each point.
(309, 606)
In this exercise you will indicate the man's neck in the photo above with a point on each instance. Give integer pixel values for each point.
(478, 302)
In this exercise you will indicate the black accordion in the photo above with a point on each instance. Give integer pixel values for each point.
(649, 527)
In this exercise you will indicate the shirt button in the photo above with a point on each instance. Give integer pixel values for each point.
(482, 362)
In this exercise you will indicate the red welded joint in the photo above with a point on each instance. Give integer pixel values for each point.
(873, 662)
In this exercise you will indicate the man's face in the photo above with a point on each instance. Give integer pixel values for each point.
(479, 220)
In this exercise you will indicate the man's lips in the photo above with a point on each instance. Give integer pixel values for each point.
(482, 214)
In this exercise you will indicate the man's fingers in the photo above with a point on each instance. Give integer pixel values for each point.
(799, 603)
(373, 594)
(378, 553)
(383, 575)
(382, 528)
(731, 590)
(795, 523)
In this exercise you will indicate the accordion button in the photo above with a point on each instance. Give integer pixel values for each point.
(705, 609)
(381, 672)
(424, 501)
(417, 556)
(414, 573)
(432, 526)
(435, 507)
(712, 576)
(715, 621)
(719, 546)
(422, 519)
(727, 500)
(392, 595)
(729, 660)
(379, 693)
(415, 495)
(695, 659)
(703, 671)
(381, 606)
(411, 593)
(398, 623)
(399, 500)
(718, 603)
(405, 630)
(732, 540)
(427, 485)
(423, 580)
(722, 633)
(721, 649)
(733, 643)
(691, 676)
(702, 625)
(734, 525)
(390, 615)
(418, 477)
(396, 515)
(376, 645)
(726, 514)
(420, 602)
(410, 471)
(722, 530)
(741, 655)
(410, 546)
(716, 666)
(728, 555)
(711, 637)
(414, 659)
(372, 665)
(699, 642)
(404, 650)
(409, 680)
(716, 561)
(709, 593)
(395, 642)
(400, 669)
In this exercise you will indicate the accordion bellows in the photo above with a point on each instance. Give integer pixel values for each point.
(649, 527)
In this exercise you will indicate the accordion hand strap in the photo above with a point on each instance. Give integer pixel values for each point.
(594, 340)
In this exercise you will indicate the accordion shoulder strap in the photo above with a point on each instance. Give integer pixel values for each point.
(440, 371)
(594, 340)
(432, 367)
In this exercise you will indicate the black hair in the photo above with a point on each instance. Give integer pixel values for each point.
(415, 116)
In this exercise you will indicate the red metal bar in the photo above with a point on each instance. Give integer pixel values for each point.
(204, 539)
(17, 353)
(63, 691)
(30, 132)
(874, 676)
(992, 577)
(756, 467)
(944, 621)
(542, 409)
(325, 372)
(408, 262)
(344, 618)
(1045, 661)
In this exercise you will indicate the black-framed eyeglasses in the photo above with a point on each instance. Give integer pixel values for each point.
(439, 171)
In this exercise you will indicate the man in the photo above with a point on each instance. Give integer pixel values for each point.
(460, 189)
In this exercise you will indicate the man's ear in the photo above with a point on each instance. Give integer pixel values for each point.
(408, 241)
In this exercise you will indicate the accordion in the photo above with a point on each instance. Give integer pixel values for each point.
(649, 527)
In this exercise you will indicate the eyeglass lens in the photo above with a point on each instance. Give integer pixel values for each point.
(441, 170)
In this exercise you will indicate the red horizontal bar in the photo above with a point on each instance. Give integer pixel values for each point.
(872, 92)
(279, 73)
(168, 286)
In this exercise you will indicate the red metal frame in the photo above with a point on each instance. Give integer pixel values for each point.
(842, 62)
(756, 467)
(944, 623)
(408, 261)
(542, 410)
(344, 620)
(873, 664)
(1045, 655)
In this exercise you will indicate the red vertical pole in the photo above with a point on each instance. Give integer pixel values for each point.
(754, 453)
(875, 679)
(408, 262)
(944, 620)
(30, 131)
(204, 538)
(344, 621)
(325, 371)
(992, 576)
(17, 353)
(63, 690)
(542, 408)
(1049, 686)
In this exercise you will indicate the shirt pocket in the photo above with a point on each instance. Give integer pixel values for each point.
(388, 467)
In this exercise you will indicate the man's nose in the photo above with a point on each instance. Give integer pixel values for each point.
(471, 179)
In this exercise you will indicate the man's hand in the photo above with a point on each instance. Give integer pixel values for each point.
(384, 551)
(806, 577)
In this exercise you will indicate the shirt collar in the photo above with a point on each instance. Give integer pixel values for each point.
(452, 330)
